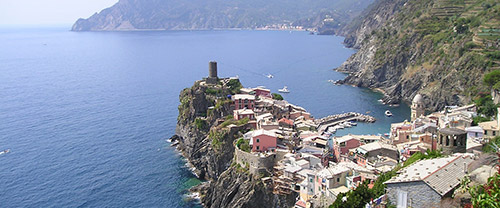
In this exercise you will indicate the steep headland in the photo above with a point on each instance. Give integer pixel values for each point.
(206, 134)
(438, 48)
(198, 14)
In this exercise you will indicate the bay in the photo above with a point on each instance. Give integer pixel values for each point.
(86, 114)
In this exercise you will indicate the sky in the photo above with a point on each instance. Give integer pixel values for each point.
(49, 12)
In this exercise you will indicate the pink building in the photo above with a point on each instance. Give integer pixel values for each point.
(262, 92)
(242, 101)
(243, 113)
(263, 140)
(344, 144)
(294, 115)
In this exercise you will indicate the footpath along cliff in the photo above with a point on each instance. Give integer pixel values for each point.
(206, 134)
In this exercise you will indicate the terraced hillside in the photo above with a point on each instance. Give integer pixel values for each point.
(439, 48)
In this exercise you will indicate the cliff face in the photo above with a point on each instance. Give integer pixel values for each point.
(209, 147)
(200, 14)
(193, 129)
(429, 47)
(238, 189)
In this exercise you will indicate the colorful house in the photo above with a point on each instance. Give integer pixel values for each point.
(243, 113)
(262, 92)
(263, 140)
(242, 101)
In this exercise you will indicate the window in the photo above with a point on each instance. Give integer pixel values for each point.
(441, 142)
(402, 200)
(455, 141)
(485, 132)
(311, 180)
(258, 148)
(476, 134)
(338, 180)
(494, 133)
(258, 140)
(447, 141)
(342, 144)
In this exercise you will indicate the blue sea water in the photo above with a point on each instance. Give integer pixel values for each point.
(86, 114)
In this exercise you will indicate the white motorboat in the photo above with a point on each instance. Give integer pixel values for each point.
(5, 151)
(269, 76)
(388, 113)
(284, 90)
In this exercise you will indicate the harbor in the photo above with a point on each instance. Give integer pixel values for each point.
(331, 123)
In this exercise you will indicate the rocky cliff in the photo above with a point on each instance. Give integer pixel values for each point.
(239, 189)
(437, 48)
(206, 135)
(200, 14)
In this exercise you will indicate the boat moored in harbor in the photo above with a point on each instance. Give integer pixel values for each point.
(388, 113)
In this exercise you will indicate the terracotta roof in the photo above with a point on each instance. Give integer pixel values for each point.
(300, 203)
(286, 121)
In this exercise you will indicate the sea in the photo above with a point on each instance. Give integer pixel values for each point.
(86, 115)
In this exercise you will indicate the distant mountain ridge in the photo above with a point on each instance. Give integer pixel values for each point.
(213, 14)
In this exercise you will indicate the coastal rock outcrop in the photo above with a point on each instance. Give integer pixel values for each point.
(208, 145)
(240, 189)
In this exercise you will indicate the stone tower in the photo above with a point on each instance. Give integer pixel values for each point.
(212, 73)
(417, 107)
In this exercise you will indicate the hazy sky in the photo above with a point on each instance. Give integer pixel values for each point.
(37, 12)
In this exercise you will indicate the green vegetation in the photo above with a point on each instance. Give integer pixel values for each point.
(487, 195)
(362, 194)
(213, 91)
(234, 86)
(277, 96)
(200, 123)
(492, 145)
(419, 156)
(492, 78)
(217, 137)
(230, 121)
(244, 145)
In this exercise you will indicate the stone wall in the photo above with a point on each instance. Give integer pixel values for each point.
(258, 163)
(419, 194)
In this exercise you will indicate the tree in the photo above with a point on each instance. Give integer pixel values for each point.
(492, 78)
(277, 96)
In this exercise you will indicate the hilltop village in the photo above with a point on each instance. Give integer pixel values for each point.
(421, 162)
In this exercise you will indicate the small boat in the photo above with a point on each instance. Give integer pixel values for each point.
(284, 90)
(386, 134)
(353, 123)
(270, 76)
(174, 144)
(5, 151)
(347, 124)
(388, 113)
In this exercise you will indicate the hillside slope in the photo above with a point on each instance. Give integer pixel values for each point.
(438, 48)
(201, 14)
